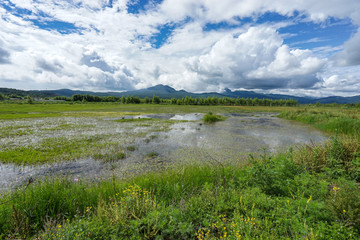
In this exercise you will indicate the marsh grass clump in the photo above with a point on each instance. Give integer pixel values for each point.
(134, 120)
(153, 136)
(110, 156)
(131, 148)
(211, 118)
(150, 138)
(152, 154)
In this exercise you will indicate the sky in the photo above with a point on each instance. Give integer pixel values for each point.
(302, 48)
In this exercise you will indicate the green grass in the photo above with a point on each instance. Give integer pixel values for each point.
(134, 120)
(31, 141)
(131, 148)
(211, 118)
(51, 150)
(340, 121)
(274, 197)
(152, 154)
(308, 193)
(38, 110)
(110, 156)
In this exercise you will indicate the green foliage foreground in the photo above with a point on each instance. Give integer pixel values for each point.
(311, 193)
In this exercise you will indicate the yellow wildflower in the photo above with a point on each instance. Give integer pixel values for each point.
(309, 199)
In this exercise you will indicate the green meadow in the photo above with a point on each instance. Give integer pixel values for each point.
(48, 109)
(306, 192)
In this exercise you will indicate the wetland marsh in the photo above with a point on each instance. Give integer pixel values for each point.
(121, 143)
(112, 171)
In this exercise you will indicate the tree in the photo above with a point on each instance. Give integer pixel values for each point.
(29, 100)
(173, 101)
(136, 100)
(156, 99)
(123, 100)
(147, 100)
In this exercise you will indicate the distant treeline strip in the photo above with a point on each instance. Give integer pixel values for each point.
(182, 101)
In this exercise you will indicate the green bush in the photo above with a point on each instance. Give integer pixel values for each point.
(211, 118)
(344, 203)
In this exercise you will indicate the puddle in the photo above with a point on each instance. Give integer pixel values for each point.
(226, 141)
(188, 117)
(11, 173)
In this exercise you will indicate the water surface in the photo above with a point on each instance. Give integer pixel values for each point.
(227, 141)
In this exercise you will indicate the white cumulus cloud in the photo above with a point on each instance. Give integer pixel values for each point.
(255, 59)
(108, 48)
(351, 54)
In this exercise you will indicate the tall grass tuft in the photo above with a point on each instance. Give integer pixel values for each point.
(211, 118)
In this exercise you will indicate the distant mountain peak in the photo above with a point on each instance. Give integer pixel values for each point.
(227, 90)
(161, 87)
(168, 92)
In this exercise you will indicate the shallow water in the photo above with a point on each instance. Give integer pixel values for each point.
(230, 140)
(185, 117)
(233, 139)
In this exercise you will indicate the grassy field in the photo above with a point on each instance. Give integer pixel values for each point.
(52, 132)
(311, 192)
(334, 120)
(45, 140)
(23, 110)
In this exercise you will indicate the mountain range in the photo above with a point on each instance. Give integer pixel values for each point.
(164, 91)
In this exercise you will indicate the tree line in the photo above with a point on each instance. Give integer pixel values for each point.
(182, 101)
(175, 101)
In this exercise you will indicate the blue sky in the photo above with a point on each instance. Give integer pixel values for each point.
(281, 46)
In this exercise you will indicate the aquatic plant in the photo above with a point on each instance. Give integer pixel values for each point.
(211, 118)
(131, 148)
(152, 154)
